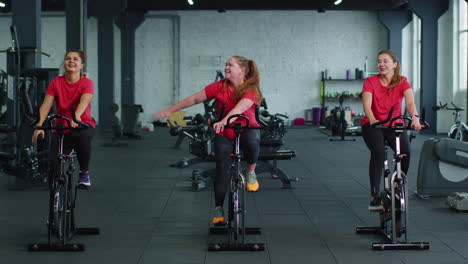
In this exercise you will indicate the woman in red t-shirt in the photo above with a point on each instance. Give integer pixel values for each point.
(73, 89)
(379, 94)
(240, 93)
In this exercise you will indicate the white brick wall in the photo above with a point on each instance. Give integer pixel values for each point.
(291, 48)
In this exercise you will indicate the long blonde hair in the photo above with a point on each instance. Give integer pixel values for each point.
(397, 78)
(251, 80)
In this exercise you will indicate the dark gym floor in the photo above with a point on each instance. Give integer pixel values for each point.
(148, 214)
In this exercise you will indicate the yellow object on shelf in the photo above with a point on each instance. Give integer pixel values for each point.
(178, 117)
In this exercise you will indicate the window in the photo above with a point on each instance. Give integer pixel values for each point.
(460, 89)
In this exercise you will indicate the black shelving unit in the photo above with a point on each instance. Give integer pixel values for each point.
(323, 90)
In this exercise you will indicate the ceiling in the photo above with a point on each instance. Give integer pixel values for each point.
(225, 5)
(222, 5)
(266, 5)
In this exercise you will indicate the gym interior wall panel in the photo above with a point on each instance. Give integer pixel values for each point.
(53, 39)
(5, 40)
(117, 68)
(445, 70)
(344, 40)
(407, 65)
(154, 60)
(291, 48)
(92, 63)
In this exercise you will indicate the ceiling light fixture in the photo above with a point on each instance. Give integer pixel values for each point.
(190, 2)
(2, 4)
(337, 2)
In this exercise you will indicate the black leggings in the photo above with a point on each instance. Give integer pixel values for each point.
(223, 147)
(375, 141)
(80, 141)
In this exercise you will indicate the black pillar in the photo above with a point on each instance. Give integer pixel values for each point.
(76, 15)
(128, 22)
(395, 21)
(429, 11)
(27, 16)
(105, 14)
(105, 69)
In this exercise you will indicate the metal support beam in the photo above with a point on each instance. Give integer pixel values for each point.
(106, 15)
(395, 21)
(128, 22)
(105, 69)
(26, 16)
(76, 15)
(429, 11)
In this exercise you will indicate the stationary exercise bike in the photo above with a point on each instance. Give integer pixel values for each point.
(341, 125)
(62, 201)
(394, 215)
(459, 129)
(236, 229)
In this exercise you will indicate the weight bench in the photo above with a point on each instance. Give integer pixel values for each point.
(270, 151)
(268, 162)
(264, 165)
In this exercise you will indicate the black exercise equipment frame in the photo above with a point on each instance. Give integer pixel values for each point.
(342, 124)
(236, 229)
(62, 202)
(393, 226)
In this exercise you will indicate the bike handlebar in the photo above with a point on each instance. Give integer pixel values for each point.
(234, 126)
(444, 106)
(50, 119)
(399, 126)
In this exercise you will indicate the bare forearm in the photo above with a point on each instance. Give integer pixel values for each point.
(189, 101)
(369, 114)
(242, 106)
(84, 102)
(367, 105)
(45, 109)
(411, 108)
(410, 104)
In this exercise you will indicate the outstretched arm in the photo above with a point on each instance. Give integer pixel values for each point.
(187, 102)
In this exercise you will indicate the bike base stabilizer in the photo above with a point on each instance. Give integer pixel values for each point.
(400, 246)
(224, 230)
(389, 245)
(236, 247)
(56, 247)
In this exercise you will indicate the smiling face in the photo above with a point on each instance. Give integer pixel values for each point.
(233, 71)
(73, 62)
(386, 65)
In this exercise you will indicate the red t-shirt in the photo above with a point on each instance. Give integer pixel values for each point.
(225, 96)
(383, 101)
(68, 95)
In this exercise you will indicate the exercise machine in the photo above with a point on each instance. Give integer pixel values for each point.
(394, 215)
(236, 229)
(443, 167)
(25, 91)
(62, 194)
(340, 125)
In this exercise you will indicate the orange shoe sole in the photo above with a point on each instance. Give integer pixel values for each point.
(253, 187)
(219, 221)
